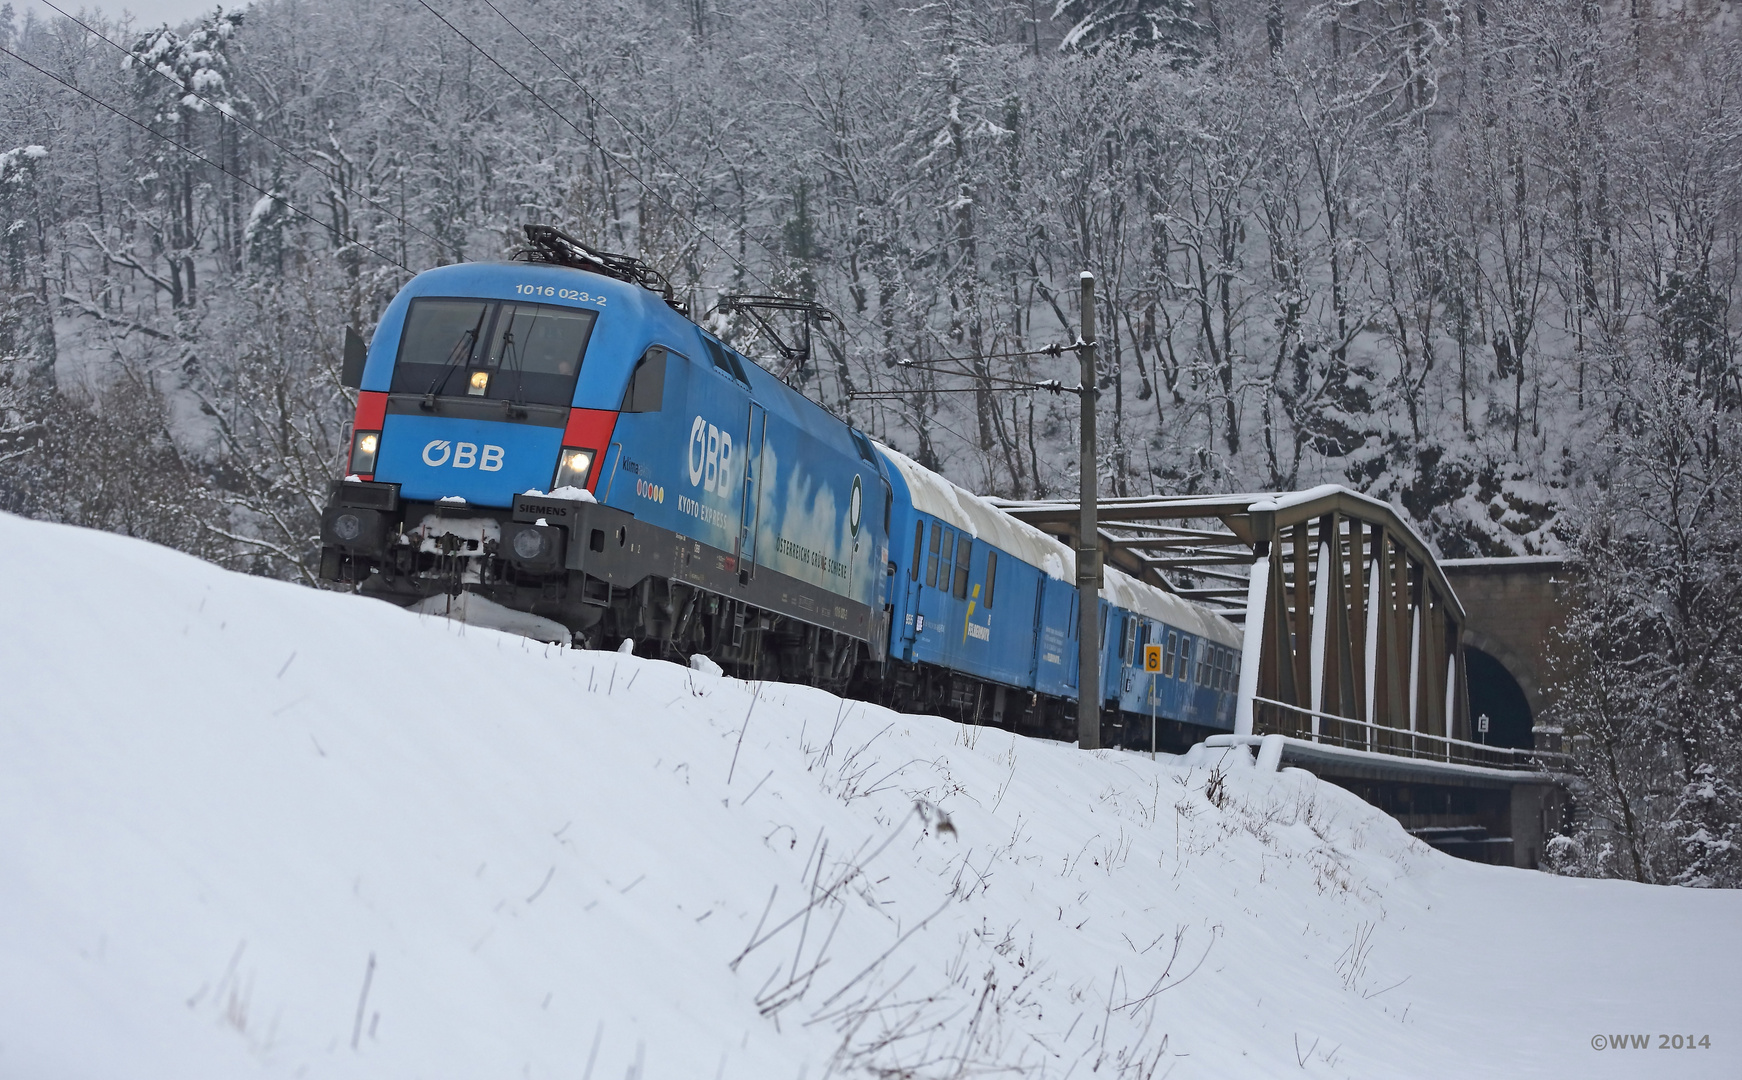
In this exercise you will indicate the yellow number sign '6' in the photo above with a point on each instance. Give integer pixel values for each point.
(1152, 659)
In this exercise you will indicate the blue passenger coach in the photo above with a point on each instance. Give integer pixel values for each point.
(983, 605)
(554, 437)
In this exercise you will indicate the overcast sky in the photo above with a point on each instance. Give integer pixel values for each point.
(145, 12)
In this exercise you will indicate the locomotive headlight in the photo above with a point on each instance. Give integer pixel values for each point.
(364, 446)
(480, 383)
(572, 468)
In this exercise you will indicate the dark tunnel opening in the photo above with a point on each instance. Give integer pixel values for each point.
(1496, 694)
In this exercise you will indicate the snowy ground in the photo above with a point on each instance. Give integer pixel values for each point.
(250, 828)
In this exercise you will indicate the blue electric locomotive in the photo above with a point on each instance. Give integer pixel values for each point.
(555, 436)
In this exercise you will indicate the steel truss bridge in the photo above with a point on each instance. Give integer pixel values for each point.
(1354, 651)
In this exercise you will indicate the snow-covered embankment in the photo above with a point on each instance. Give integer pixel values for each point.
(248, 828)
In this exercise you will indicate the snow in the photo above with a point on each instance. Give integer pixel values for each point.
(475, 532)
(12, 162)
(475, 610)
(1502, 562)
(260, 830)
(1132, 595)
(572, 493)
(258, 215)
(1288, 500)
(702, 663)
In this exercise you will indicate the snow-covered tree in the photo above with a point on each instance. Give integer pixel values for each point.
(1651, 698)
(1176, 27)
(26, 323)
(176, 80)
(1387, 245)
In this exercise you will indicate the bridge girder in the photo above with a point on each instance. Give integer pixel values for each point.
(1361, 634)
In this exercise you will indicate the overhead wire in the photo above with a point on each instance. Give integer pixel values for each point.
(700, 192)
(672, 169)
(1006, 384)
(652, 151)
(1045, 350)
(536, 96)
(627, 130)
(690, 219)
(191, 152)
(230, 114)
(869, 395)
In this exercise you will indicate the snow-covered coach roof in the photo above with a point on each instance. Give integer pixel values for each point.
(933, 494)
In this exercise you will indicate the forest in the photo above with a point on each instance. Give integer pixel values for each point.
(1478, 259)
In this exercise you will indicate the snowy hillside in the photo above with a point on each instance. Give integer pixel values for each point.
(253, 829)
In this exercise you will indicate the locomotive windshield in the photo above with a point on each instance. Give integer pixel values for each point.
(506, 350)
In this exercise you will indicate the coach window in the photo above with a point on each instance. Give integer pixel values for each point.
(1167, 654)
(964, 555)
(991, 578)
(918, 549)
(646, 392)
(931, 562)
(944, 550)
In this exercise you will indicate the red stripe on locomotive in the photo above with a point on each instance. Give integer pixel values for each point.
(371, 414)
(591, 429)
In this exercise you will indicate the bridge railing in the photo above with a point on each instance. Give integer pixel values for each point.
(1281, 718)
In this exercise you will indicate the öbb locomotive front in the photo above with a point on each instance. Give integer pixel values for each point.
(555, 437)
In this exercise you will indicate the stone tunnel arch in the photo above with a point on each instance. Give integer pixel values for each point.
(1515, 608)
(1496, 694)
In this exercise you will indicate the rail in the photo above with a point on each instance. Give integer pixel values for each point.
(1401, 742)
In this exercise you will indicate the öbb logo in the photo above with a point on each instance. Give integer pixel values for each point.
(710, 455)
(465, 455)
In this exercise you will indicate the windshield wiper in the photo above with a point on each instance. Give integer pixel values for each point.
(515, 408)
(470, 341)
